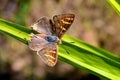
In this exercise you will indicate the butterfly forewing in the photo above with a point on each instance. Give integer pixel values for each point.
(62, 23)
(42, 25)
(49, 54)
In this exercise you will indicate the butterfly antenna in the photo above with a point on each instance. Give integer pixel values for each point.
(72, 42)
(65, 50)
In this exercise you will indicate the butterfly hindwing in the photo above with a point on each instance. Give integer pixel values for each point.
(49, 54)
(62, 23)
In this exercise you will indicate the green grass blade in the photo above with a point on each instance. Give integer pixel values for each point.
(16, 31)
(115, 4)
(79, 54)
(94, 60)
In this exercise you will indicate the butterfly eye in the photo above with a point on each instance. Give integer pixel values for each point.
(51, 38)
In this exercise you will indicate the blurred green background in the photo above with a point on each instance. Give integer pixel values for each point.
(96, 23)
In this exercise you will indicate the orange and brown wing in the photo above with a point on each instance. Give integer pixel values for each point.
(49, 54)
(62, 23)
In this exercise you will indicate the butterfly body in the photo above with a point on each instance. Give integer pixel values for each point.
(49, 37)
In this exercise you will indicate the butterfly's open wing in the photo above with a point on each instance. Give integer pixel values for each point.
(62, 23)
(49, 54)
(42, 25)
(37, 42)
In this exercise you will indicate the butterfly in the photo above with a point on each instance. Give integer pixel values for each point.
(49, 37)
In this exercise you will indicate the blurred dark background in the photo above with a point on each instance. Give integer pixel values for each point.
(96, 23)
